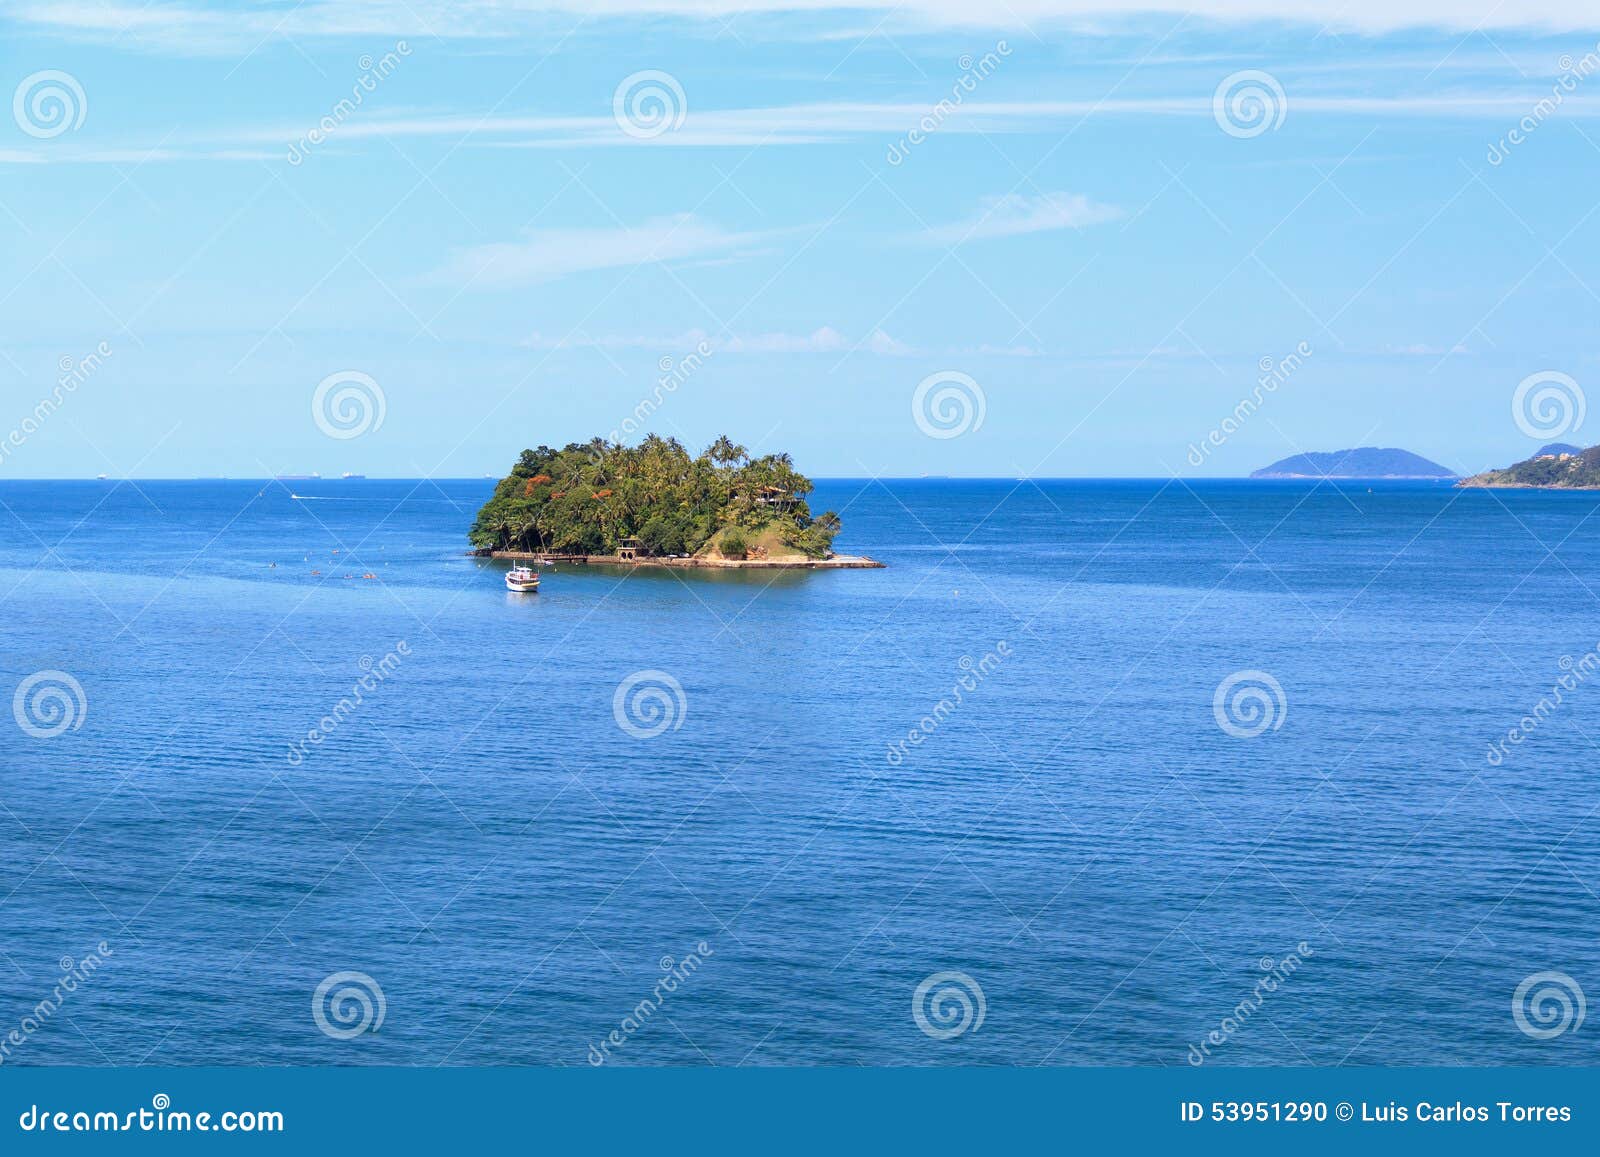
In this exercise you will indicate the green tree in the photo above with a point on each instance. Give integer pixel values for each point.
(587, 497)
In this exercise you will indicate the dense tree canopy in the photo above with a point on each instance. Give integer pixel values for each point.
(1554, 466)
(587, 498)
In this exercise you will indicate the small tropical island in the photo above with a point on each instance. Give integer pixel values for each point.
(1557, 466)
(653, 504)
(1363, 462)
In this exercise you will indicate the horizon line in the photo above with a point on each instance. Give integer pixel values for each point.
(815, 478)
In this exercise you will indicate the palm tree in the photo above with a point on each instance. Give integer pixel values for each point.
(725, 452)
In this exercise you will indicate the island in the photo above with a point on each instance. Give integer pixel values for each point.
(1555, 467)
(654, 505)
(1363, 462)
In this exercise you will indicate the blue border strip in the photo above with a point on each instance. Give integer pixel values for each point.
(760, 1111)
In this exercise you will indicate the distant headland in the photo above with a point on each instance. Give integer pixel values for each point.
(1557, 466)
(654, 504)
(1362, 462)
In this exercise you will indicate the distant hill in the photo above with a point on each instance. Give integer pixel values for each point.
(1561, 470)
(1362, 462)
(1558, 448)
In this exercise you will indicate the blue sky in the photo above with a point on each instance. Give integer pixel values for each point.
(1095, 243)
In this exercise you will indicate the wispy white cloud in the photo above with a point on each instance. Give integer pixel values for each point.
(847, 120)
(547, 254)
(823, 340)
(189, 26)
(1017, 213)
(67, 155)
(777, 125)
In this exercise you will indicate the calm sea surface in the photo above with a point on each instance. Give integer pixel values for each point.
(508, 854)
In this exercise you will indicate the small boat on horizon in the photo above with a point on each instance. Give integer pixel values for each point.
(522, 579)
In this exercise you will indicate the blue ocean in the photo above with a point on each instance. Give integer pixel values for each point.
(1094, 772)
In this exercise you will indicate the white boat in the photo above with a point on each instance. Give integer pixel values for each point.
(523, 579)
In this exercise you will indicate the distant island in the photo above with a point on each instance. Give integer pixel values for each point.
(601, 501)
(1362, 462)
(1555, 467)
